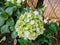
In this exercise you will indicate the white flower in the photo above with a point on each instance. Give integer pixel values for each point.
(17, 22)
(16, 29)
(29, 15)
(37, 29)
(18, 1)
(46, 20)
(30, 38)
(41, 18)
(36, 12)
(26, 33)
(27, 20)
(22, 16)
(42, 31)
(8, 0)
(33, 38)
(19, 35)
(23, 0)
(12, 1)
(32, 22)
(36, 24)
(26, 28)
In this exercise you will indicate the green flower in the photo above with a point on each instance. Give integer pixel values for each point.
(30, 25)
(15, 2)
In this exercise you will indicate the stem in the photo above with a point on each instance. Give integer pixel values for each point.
(56, 40)
(15, 42)
(56, 34)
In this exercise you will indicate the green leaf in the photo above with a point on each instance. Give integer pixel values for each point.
(4, 15)
(51, 41)
(1, 21)
(10, 22)
(9, 10)
(4, 29)
(25, 42)
(53, 27)
(12, 28)
(14, 34)
(1, 10)
(58, 36)
(14, 8)
(18, 13)
(2, 3)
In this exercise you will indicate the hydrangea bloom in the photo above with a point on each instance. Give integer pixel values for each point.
(16, 2)
(29, 26)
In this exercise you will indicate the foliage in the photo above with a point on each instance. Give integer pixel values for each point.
(7, 18)
(10, 12)
(25, 42)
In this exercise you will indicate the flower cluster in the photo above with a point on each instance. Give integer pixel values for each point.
(17, 2)
(30, 25)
